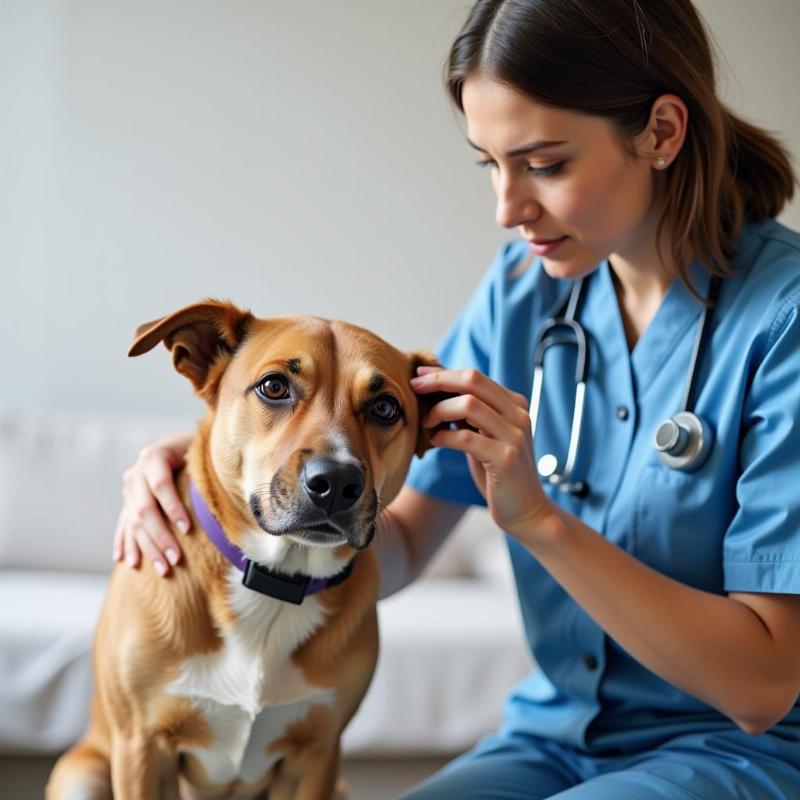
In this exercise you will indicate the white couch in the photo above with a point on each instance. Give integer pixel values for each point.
(451, 644)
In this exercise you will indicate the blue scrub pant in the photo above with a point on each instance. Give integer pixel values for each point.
(693, 767)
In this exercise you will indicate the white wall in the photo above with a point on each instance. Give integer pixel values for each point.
(292, 156)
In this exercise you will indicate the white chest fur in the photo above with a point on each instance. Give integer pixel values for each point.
(250, 690)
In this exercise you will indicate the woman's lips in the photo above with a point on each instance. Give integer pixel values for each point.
(543, 247)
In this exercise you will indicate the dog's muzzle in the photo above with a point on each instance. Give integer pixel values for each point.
(325, 505)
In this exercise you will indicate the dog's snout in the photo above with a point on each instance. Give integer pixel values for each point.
(332, 485)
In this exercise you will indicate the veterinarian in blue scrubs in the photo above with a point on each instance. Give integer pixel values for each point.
(659, 586)
(659, 599)
(593, 712)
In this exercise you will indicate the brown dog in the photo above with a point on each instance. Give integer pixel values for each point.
(201, 682)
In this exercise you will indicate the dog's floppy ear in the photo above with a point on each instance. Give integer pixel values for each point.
(426, 402)
(201, 337)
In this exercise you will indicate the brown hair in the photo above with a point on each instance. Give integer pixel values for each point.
(613, 58)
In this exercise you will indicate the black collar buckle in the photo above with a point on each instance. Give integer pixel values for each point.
(291, 588)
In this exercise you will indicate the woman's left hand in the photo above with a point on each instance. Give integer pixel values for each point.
(496, 440)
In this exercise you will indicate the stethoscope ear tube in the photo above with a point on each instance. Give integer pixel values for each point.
(562, 330)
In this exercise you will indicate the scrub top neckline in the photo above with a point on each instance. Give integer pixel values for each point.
(678, 311)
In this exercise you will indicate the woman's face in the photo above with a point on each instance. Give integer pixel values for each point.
(561, 177)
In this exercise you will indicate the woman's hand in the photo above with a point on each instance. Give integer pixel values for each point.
(497, 442)
(150, 498)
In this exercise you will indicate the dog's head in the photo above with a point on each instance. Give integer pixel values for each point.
(312, 423)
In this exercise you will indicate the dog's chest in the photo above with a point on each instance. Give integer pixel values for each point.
(249, 691)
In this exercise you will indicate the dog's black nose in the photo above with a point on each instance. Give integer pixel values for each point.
(332, 485)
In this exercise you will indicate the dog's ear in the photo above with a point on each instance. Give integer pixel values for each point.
(201, 337)
(426, 402)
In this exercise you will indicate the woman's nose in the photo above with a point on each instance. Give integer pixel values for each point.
(515, 206)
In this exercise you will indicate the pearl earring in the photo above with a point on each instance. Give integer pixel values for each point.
(661, 162)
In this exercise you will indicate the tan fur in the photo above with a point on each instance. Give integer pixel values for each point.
(150, 628)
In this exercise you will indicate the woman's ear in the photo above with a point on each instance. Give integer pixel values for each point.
(662, 139)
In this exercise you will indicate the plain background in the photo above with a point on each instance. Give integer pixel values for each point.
(293, 156)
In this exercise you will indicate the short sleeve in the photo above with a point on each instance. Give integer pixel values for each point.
(761, 551)
(468, 343)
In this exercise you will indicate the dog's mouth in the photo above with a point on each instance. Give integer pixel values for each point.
(323, 528)
(357, 531)
(321, 534)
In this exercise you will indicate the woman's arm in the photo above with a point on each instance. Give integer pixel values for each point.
(414, 528)
(738, 653)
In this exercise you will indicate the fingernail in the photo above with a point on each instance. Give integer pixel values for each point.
(115, 554)
(183, 526)
(172, 555)
(131, 560)
(419, 381)
(160, 567)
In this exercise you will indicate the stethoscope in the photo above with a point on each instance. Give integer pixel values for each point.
(683, 441)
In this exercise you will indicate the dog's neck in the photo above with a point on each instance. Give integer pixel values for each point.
(281, 553)
(277, 553)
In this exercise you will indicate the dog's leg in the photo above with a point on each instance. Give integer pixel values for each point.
(307, 775)
(82, 773)
(319, 782)
(170, 782)
(135, 768)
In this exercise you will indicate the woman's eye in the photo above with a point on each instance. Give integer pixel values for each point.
(539, 172)
(545, 172)
(386, 410)
(273, 387)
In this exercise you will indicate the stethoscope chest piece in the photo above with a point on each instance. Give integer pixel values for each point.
(683, 441)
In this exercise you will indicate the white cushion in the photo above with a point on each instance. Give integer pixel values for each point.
(47, 622)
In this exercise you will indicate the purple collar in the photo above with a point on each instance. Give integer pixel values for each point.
(291, 588)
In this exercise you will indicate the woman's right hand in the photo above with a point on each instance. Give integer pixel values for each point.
(150, 503)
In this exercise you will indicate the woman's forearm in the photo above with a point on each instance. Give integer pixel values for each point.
(407, 537)
(714, 647)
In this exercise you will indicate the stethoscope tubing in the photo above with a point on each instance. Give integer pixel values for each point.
(705, 323)
(563, 328)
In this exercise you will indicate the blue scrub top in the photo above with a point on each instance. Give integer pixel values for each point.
(734, 525)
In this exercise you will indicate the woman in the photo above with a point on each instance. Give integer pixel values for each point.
(660, 598)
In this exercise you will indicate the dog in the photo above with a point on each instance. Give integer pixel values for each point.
(236, 676)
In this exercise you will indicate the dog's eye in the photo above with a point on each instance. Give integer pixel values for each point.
(273, 387)
(386, 410)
